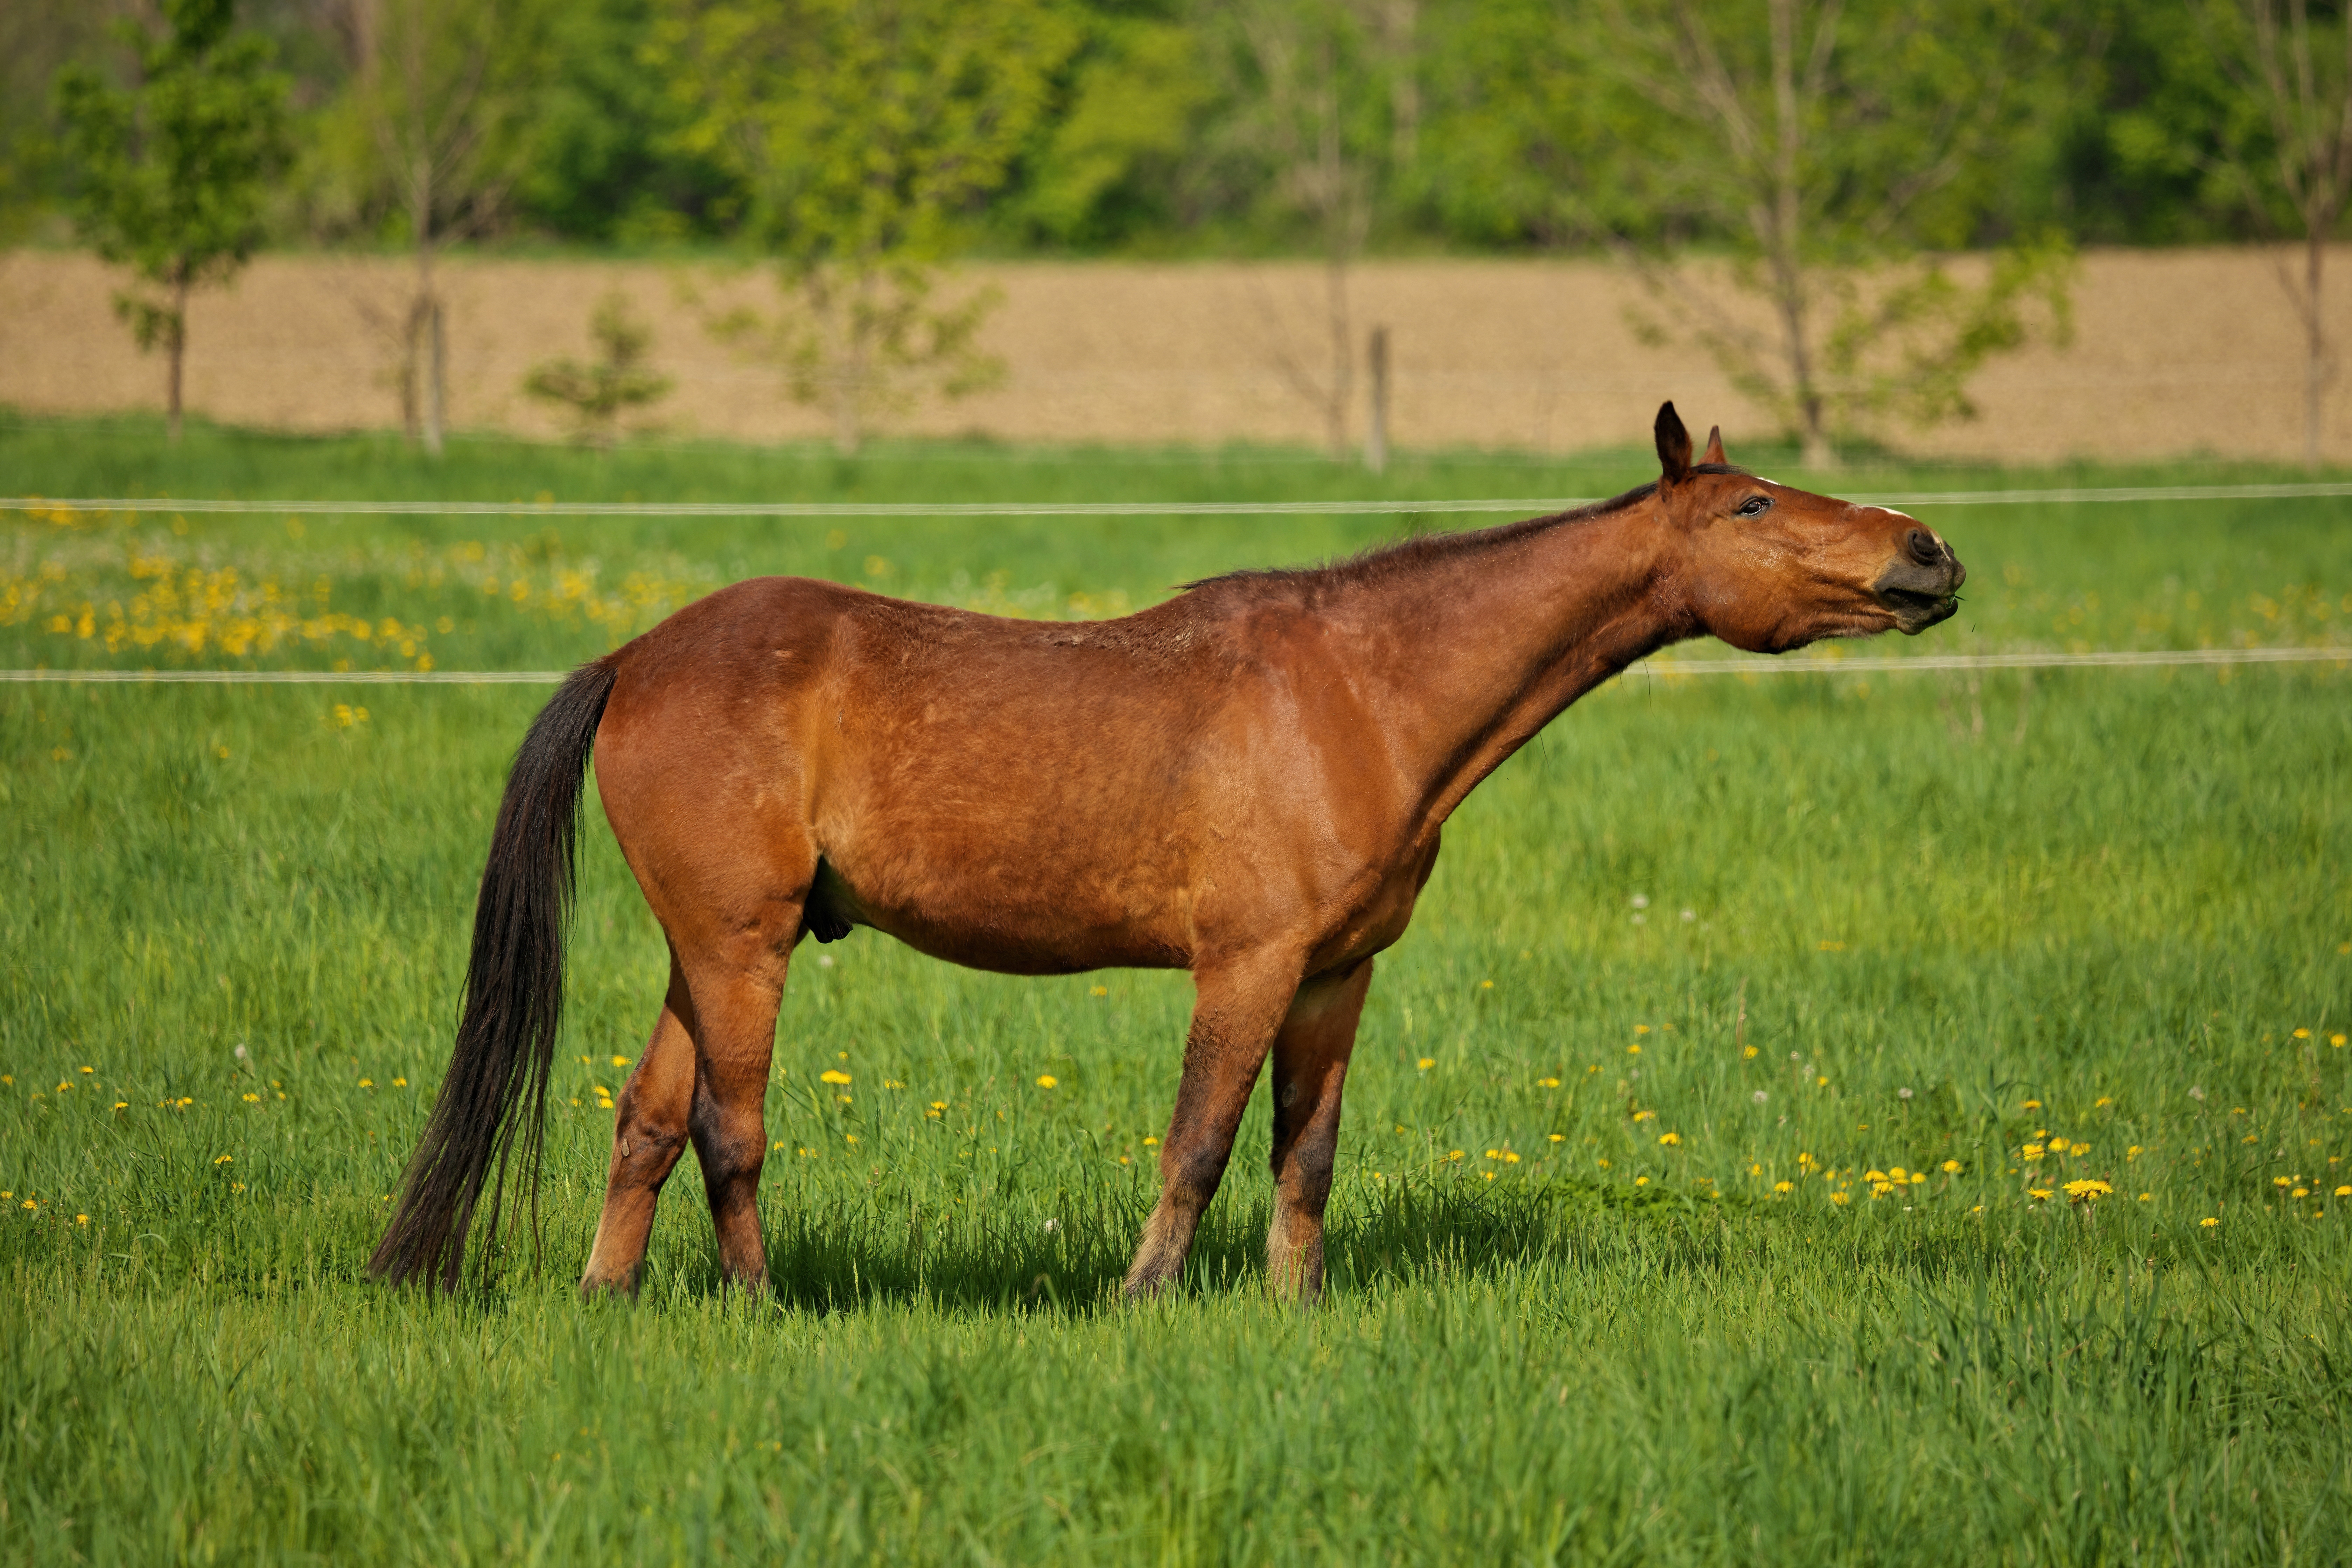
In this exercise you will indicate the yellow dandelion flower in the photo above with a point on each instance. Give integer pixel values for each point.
(1641, 1028)
(1749, 1054)
(1547, 1083)
(1453, 1153)
(2344, 1192)
(1784, 1186)
(2303, 1034)
(1918, 1177)
(1633, 1050)
(1099, 991)
(400, 1083)
(852, 1137)
(1490, 1175)
(2085, 1190)
(1047, 1080)
(832, 1075)
(2037, 1194)
(1641, 1181)
(253, 1099)
(2208, 1223)
(1951, 1167)
(1820, 1083)
(1840, 1198)
(90, 1069)
(2032, 1151)
(225, 1159)
(1670, 1138)
(2278, 1181)
(2334, 1039)
(2033, 1105)
(1493, 1154)
(1486, 985)
(1151, 1143)
(82, 1219)
(121, 1104)
(1645, 1116)
(1557, 1137)
(2103, 1100)
(1509, 1158)
(1754, 1170)
(2301, 1193)
(2147, 1197)
(367, 1083)
(2132, 1152)
(1425, 1063)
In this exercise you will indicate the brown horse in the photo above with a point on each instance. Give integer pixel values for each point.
(1247, 782)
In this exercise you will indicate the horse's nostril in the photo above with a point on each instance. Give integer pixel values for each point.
(1923, 547)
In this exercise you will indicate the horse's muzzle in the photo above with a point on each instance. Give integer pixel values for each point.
(1921, 585)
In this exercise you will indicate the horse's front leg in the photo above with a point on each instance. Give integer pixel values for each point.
(1310, 1060)
(1240, 1004)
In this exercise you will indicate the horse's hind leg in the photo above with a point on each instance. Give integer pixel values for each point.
(649, 1133)
(1310, 1062)
(734, 1039)
(1240, 1004)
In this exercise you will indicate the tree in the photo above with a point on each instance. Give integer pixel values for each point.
(867, 133)
(442, 91)
(2292, 148)
(1820, 137)
(170, 174)
(1323, 102)
(598, 392)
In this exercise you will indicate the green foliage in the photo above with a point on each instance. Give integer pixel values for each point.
(1106, 167)
(598, 391)
(865, 133)
(171, 177)
(1558, 1364)
(607, 166)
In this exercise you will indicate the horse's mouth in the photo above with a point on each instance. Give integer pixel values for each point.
(1915, 612)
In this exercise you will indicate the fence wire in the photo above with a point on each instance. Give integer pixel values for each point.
(1524, 506)
(1662, 667)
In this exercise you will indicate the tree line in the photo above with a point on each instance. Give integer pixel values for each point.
(1830, 153)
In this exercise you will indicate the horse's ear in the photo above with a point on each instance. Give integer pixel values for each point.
(1713, 453)
(1674, 446)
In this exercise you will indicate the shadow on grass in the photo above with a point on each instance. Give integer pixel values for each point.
(1419, 1233)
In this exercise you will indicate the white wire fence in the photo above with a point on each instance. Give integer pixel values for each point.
(1664, 666)
(1523, 506)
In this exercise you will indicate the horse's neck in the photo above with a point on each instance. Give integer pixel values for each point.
(1489, 645)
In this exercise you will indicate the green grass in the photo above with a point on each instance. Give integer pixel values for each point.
(2117, 893)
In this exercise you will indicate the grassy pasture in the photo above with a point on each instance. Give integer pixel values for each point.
(1953, 918)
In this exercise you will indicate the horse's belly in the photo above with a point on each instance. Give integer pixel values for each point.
(995, 917)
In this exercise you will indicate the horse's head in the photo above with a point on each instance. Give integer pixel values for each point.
(1768, 568)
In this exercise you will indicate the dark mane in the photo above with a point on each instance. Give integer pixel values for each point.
(1377, 562)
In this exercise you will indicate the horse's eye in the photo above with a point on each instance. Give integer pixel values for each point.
(1754, 506)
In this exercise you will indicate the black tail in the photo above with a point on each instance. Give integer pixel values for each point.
(496, 1091)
